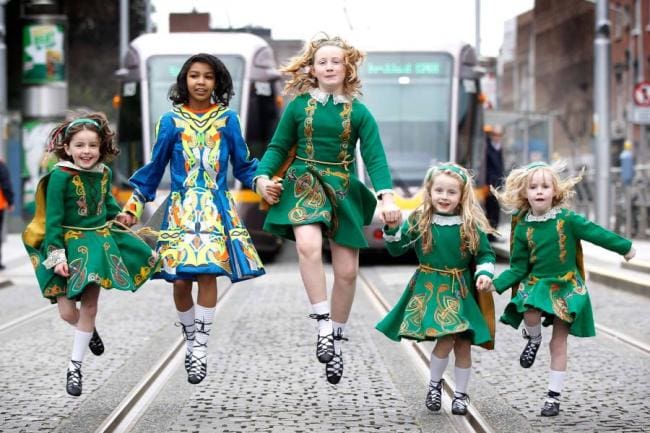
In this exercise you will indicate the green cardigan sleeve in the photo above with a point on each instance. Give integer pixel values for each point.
(284, 137)
(372, 150)
(54, 212)
(592, 232)
(519, 263)
(399, 239)
(485, 257)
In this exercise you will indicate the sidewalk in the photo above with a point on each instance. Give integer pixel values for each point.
(603, 266)
(13, 254)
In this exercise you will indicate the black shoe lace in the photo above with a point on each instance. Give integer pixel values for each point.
(460, 401)
(74, 375)
(200, 328)
(530, 351)
(334, 368)
(96, 344)
(325, 316)
(199, 366)
(435, 394)
(187, 335)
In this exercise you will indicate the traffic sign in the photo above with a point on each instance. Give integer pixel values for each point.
(642, 94)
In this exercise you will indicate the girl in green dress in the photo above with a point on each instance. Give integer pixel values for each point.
(449, 235)
(546, 270)
(72, 242)
(321, 196)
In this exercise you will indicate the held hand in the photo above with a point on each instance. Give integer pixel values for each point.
(270, 190)
(126, 218)
(630, 254)
(62, 269)
(483, 282)
(391, 215)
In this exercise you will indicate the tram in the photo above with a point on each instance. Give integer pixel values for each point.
(151, 65)
(427, 103)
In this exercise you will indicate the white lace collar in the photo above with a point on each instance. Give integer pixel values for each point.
(323, 97)
(98, 168)
(551, 214)
(446, 220)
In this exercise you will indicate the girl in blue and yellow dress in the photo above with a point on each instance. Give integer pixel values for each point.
(73, 243)
(201, 236)
(449, 235)
(546, 271)
(321, 195)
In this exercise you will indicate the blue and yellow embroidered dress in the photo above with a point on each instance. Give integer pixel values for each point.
(201, 231)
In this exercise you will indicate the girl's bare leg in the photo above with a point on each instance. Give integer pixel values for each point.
(68, 310)
(309, 244)
(88, 310)
(345, 263)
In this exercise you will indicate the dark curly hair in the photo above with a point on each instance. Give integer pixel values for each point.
(223, 91)
(60, 136)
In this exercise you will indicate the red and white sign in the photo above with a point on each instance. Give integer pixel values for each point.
(642, 94)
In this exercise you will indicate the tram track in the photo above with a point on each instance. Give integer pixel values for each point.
(134, 405)
(473, 421)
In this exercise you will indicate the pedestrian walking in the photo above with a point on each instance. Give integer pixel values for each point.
(321, 195)
(546, 268)
(201, 236)
(495, 173)
(6, 201)
(73, 243)
(448, 232)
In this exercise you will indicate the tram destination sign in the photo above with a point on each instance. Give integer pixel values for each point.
(406, 68)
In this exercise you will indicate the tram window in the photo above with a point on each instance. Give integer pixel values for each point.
(130, 133)
(409, 95)
(263, 116)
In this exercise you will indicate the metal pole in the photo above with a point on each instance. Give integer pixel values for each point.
(147, 11)
(124, 30)
(640, 60)
(478, 28)
(602, 61)
(3, 77)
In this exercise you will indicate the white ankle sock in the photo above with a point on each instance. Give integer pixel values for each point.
(535, 332)
(324, 326)
(187, 319)
(80, 344)
(556, 381)
(461, 375)
(437, 367)
(338, 328)
(203, 322)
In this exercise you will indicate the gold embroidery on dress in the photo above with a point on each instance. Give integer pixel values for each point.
(531, 244)
(81, 193)
(561, 239)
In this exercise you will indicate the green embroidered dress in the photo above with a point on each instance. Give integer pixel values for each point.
(440, 298)
(543, 263)
(321, 185)
(74, 207)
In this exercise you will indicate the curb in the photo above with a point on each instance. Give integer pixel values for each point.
(598, 274)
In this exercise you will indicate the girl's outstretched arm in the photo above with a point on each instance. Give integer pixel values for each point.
(485, 259)
(243, 165)
(592, 232)
(54, 214)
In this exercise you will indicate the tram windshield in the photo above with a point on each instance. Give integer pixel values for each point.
(410, 95)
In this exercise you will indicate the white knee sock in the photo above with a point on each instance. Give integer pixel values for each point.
(556, 381)
(79, 346)
(461, 375)
(187, 319)
(339, 328)
(437, 367)
(535, 332)
(203, 322)
(324, 326)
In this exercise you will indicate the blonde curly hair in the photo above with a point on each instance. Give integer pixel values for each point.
(472, 216)
(513, 195)
(299, 67)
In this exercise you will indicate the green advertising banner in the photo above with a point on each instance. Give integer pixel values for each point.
(43, 56)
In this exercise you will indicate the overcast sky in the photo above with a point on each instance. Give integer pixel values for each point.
(440, 20)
